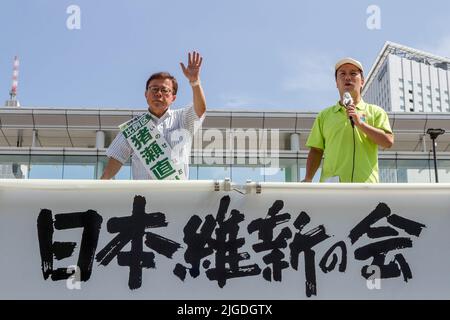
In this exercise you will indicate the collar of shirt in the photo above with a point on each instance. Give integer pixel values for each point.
(166, 115)
(360, 106)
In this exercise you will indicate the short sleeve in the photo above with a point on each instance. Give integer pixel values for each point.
(315, 139)
(190, 120)
(382, 121)
(119, 149)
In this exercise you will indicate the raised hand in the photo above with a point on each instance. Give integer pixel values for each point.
(192, 71)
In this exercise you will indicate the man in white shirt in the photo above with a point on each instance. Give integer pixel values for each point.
(177, 126)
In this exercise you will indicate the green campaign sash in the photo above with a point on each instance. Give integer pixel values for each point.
(152, 148)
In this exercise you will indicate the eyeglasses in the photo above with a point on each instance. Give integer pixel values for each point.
(155, 90)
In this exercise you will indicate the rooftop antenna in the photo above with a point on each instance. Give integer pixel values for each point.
(12, 102)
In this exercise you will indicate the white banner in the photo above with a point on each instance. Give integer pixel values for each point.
(184, 240)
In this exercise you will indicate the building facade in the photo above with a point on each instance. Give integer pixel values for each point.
(404, 79)
(38, 143)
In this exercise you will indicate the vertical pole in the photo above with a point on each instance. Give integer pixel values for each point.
(435, 162)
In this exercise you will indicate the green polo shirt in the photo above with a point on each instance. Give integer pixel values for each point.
(332, 132)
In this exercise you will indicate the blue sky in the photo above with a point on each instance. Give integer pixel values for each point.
(258, 54)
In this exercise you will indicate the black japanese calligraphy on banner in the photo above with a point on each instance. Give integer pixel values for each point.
(163, 240)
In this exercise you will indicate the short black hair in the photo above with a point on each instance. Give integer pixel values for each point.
(163, 76)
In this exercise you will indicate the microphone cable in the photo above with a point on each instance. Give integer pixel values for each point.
(354, 152)
(347, 100)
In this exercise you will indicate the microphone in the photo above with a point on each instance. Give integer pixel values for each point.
(348, 100)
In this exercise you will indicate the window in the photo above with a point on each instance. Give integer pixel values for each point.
(214, 172)
(443, 170)
(414, 171)
(240, 174)
(302, 166)
(124, 172)
(46, 167)
(193, 172)
(387, 171)
(100, 166)
(80, 167)
(14, 166)
(281, 170)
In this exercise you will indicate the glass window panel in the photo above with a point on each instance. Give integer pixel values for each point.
(241, 173)
(101, 165)
(46, 167)
(443, 171)
(413, 171)
(14, 166)
(387, 171)
(193, 172)
(213, 172)
(80, 167)
(281, 170)
(124, 172)
(302, 166)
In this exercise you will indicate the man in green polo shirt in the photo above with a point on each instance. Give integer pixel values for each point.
(350, 151)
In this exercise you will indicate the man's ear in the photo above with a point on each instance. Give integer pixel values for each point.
(174, 98)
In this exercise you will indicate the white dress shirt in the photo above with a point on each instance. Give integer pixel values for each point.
(177, 127)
